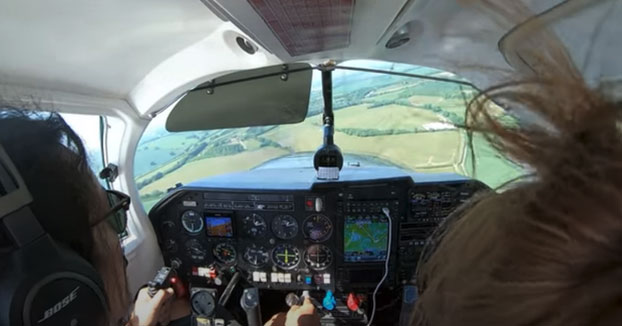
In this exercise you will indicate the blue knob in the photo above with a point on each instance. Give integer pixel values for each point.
(329, 301)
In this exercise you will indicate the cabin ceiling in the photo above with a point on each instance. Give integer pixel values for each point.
(148, 52)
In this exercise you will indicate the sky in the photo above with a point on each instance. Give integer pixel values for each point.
(87, 127)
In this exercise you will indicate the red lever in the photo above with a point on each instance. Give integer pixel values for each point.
(179, 287)
(353, 302)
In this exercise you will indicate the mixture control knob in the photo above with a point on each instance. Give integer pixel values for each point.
(353, 302)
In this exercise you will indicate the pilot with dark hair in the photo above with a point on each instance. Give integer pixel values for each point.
(74, 209)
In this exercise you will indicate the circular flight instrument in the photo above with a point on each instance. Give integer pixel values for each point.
(284, 227)
(195, 250)
(170, 245)
(225, 253)
(192, 221)
(254, 225)
(318, 256)
(317, 227)
(286, 256)
(256, 255)
(203, 303)
(168, 229)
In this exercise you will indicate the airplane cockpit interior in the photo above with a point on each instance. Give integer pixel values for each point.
(277, 150)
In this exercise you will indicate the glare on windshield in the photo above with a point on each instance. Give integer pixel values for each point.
(380, 120)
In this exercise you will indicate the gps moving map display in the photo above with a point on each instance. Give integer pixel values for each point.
(365, 239)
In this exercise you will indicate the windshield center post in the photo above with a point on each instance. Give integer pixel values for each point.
(328, 159)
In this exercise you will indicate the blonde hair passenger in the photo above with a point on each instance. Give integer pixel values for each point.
(548, 251)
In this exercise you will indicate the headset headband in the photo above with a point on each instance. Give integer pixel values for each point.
(19, 222)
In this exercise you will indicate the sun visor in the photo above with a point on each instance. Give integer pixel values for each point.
(266, 96)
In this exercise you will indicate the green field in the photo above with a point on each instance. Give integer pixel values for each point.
(159, 151)
(407, 122)
(214, 166)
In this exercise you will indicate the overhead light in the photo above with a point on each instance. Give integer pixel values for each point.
(303, 28)
(246, 45)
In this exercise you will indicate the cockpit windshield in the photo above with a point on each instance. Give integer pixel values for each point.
(380, 120)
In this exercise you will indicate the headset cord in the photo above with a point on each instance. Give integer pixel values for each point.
(386, 212)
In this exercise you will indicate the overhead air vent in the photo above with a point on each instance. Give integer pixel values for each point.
(404, 34)
(303, 28)
(399, 38)
(246, 45)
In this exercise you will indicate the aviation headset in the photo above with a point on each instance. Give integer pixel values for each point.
(42, 282)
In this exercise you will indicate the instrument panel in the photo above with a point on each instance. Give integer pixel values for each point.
(332, 236)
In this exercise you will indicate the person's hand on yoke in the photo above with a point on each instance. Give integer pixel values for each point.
(159, 310)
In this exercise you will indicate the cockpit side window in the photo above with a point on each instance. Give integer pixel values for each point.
(88, 128)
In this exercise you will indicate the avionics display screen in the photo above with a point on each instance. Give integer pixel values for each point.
(219, 226)
(365, 239)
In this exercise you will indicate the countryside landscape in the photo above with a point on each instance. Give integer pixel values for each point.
(407, 122)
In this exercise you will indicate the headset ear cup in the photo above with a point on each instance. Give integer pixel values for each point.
(46, 284)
